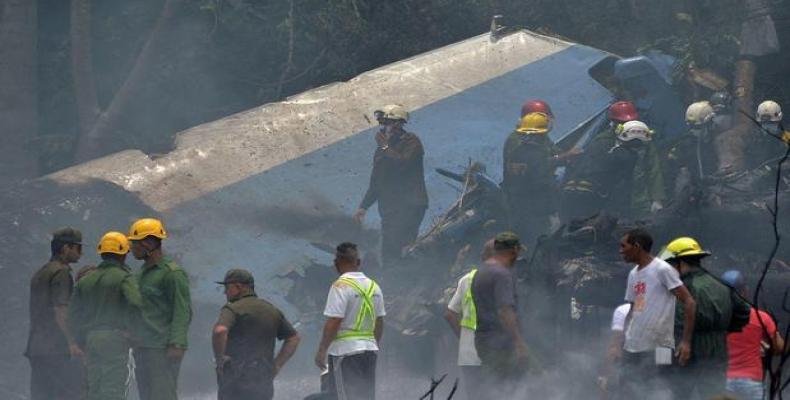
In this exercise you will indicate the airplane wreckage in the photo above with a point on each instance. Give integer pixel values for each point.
(271, 189)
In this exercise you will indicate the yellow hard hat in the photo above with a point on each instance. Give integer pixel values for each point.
(534, 122)
(113, 242)
(683, 247)
(145, 227)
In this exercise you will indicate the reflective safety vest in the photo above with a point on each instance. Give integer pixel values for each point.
(469, 320)
(365, 322)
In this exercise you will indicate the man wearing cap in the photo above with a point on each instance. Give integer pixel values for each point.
(161, 335)
(498, 338)
(53, 353)
(719, 311)
(354, 324)
(397, 183)
(244, 338)
(101, 316)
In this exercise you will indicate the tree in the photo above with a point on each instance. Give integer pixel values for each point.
(18, 88)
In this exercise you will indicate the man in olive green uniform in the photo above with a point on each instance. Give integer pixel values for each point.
(52, 351)
(100, 318)
(161, 335)
(719, 310)
(244, 338)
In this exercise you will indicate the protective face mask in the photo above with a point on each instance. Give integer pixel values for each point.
(771, 128)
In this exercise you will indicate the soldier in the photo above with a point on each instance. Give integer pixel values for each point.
(100, 317)
(56, 370)
(397, 183)
(244, 339)
(165, 313)
(352, 332)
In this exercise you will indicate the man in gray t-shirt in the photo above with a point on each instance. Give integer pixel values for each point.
(498, 338)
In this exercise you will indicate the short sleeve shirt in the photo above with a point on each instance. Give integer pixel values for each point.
(492, 289)
(344, 302)
(653, 306)
(51, 286)
(254, 325)
(744, 348)
(467, 354)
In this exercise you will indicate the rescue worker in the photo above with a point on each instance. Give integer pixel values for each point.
(462, 316)
(498, 338)
(161, 336)
(397, 183)
(620, 172)
(352, 332)
(101, 317)
(244, 338)
(745, 368)
(719, 311)
(54, 354)
(764, 147)
(692, 157)
(529, 161)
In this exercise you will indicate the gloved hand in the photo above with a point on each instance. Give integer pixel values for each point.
(656, 206)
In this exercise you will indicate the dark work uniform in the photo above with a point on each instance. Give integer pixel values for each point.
(397, 182)
(254, 326)
(528, 182)
(493, 288)
(620, 179)
(690, 159)
(55, 375)
(719, 311)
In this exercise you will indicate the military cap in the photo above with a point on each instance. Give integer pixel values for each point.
(238, 276)
(67, 235)
(506, 240)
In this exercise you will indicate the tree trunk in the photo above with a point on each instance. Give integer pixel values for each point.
(82, 65)
(18, 89)
(89, 146)
(732, 143)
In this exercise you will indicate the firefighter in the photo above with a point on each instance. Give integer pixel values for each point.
(165, 313)
(719, 311)
(765, 147)
(101, 317)
(397, 183)
(692, 157)
(620, 172)
(531, 106)
(529, 161)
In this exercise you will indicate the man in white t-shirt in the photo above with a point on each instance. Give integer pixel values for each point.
(355, 316)
(653, 288)
(461, 315)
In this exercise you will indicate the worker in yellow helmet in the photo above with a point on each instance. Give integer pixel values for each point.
(529, 161)
(719, 311)
(166, 313)
(101, 315)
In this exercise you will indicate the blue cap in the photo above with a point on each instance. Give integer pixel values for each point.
(734, 279)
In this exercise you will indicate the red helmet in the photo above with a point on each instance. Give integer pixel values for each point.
(532, 106)
(623, 111)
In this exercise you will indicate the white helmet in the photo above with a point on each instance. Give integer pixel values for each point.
(392, 111)
(769, 111)
(634, 130)
(699, 113)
